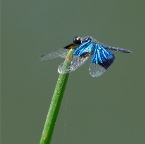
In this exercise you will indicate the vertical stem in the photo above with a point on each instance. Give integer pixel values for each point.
(55, 102)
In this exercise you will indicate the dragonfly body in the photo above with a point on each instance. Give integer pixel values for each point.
(101, 59)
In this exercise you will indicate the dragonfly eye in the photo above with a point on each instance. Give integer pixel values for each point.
(77, 40)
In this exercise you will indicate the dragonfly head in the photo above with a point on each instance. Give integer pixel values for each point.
(77, 40)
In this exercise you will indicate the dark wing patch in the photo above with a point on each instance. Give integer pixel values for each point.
(102, 56)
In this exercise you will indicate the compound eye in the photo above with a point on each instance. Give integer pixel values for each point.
(77, 40)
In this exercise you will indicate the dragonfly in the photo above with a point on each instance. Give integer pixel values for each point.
(84, 47)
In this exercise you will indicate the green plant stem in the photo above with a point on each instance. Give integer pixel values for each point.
(55, 103)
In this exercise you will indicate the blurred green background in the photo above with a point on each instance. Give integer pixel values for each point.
(106, 110)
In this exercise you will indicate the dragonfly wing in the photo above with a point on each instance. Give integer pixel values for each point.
(96, 70)
(101, 60)
(60, 53)
(75, 64)
(84, 49)
(102, 56)
(80, 55)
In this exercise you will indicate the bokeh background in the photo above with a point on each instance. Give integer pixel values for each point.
(106, 110)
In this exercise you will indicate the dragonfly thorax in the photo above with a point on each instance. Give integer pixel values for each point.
(87, 39)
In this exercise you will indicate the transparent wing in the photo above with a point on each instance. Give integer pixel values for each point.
(59, 53)
(96, 70)
(75, 64)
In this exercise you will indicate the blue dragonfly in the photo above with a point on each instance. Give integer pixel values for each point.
(85, 47)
